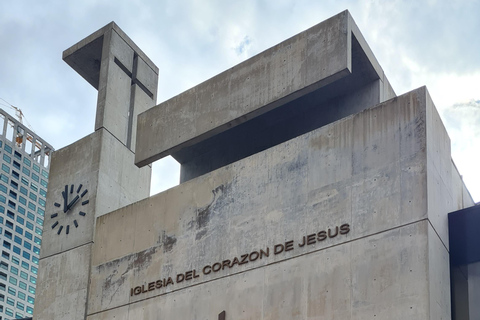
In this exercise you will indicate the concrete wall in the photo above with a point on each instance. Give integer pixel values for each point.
(377, 171)
(105, 168)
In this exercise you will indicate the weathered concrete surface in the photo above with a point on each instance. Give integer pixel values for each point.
(369, 170)
(126, 79)
(319, 58)
(63, 285)
(362, 279)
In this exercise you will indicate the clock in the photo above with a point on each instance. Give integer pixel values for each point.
(73, 199)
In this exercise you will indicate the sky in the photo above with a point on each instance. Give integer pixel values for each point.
(423, 42)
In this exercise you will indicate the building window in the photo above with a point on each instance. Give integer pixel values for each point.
(21, 295)
(10, 301)
(14, 270)
(27, 161)
(12, 204)
(29, 225)
(23, 275)
(34, 270)
(16, 164)
(13, 194)
(20, 220)
(6, 158)
(32, 206)
(26, 171)
(30, 216)
(21, 210)
(18, 230)
(3, 188)
(17, 155)
(13, 280)
(14, 185)
(18, 240)
(27, 245)
(43, 183)
(22, 285)
(32, 196)
(34, 177)
(34, 187)
(7, 245)
(15, 174)
(8, 234)
(8, 148)
(5, 168)
(9, 312)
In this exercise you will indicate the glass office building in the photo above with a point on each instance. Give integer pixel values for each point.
(24, 160)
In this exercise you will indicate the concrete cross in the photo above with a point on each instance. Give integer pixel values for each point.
(135, 81)
(103, 59)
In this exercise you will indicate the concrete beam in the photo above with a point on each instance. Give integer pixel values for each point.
(316, 65)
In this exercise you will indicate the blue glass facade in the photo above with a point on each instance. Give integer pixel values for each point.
(24, 159)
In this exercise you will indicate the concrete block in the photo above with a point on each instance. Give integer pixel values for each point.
(116, 47)
(147, 76)
(439, 277)
(68, 300)
(297, 66)
(113, 103)
(389, 274)
(69, 168)
(119, 182)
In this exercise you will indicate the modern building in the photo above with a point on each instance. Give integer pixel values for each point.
(309, 190)
(25, 161)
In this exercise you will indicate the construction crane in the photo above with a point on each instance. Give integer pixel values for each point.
(20, 135)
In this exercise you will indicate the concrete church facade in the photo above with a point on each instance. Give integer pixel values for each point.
(309, 190)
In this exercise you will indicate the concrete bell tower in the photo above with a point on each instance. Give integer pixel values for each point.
(96, 174)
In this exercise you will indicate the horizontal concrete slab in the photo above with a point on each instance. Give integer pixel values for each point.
(86, 55)
(317, 61)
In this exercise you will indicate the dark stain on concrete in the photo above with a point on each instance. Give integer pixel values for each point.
(168, 243)
(220, 200)
(135, 262)
(200, 234)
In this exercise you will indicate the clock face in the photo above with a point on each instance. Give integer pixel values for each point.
(71, 205)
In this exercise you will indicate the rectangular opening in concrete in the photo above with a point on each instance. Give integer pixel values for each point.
(332, 102)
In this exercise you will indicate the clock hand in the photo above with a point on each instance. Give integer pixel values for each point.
(65, 199)
(72, 203)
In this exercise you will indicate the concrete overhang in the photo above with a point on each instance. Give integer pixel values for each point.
(85, 56)
(270, 98)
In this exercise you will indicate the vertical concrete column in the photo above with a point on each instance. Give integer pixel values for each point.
(96, 174)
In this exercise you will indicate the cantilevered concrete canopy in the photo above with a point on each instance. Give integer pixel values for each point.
(314, 78)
